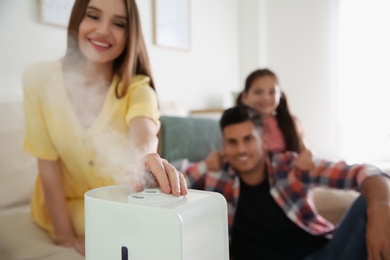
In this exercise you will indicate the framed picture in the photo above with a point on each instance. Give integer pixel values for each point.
(56, 12)
(172, 23)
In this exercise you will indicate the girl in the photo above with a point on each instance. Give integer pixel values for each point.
(262, 92)
(102, 87)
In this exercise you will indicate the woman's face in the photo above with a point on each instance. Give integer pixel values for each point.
(102, 32)
(263, 95)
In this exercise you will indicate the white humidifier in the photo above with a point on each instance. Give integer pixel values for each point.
(151, 225)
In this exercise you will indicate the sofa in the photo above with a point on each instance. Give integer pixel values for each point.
(181, 139)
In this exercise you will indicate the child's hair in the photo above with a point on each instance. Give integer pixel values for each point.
(283, 115)
(240, 114)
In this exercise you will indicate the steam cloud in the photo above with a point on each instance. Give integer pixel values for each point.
(116, 158)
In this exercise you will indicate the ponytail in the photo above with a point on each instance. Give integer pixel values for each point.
(287, 125)
(239, 99)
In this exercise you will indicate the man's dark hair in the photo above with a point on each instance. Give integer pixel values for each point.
(240, 114)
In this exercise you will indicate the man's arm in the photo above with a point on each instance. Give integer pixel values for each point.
(374, 185)
(337, 175)
(372, 182)
(340, 175)
(376, 190)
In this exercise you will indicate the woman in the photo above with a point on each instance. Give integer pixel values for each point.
(101, 90)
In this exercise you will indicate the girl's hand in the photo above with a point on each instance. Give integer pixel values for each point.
(213, 161)
(304, 161)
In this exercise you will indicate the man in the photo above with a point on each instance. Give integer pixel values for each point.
(271, 213)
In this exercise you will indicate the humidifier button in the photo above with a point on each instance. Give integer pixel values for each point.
(151, 191)
(138, 197)
(153, 197)
(91, 163)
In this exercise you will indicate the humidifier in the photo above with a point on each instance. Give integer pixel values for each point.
(152, 225)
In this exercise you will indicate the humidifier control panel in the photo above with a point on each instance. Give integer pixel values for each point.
(152, 197)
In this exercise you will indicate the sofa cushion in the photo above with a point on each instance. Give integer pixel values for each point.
(20, 238)
(192, 138)
(18, 170)
(332, 204)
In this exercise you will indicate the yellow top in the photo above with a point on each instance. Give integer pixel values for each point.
(89, 157)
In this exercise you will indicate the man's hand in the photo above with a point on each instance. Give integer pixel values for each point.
(378, 231)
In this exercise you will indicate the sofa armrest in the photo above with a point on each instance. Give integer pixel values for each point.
(192, 138)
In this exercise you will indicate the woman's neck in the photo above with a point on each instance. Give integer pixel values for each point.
(98, 71)
(92, 72)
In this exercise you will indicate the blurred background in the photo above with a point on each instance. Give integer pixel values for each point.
(332, 58)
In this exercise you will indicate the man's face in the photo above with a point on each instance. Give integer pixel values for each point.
(243, 147)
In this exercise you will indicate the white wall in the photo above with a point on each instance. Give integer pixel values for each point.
(198, 78)
(300, 44)
(23, 40)
(201, 76)
(230, 38)
(303, 50)
(252, 28)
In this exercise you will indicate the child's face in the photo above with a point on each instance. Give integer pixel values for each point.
(263, 95)
(102, 32)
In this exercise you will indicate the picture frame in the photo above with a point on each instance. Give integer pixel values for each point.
(55, 12)
(172, 24)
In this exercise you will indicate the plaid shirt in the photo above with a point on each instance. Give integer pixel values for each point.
(290, 187)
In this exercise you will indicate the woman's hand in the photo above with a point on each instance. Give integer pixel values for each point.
(304, 160)
(168, 178)
(78, 243)
(213, 160)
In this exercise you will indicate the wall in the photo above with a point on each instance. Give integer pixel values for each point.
(252, 28)
(230, 38)
(23, 40)
(303, 50)
(198, 78)
(298, 40)
(204, 75)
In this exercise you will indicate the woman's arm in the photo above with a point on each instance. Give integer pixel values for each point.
(53, 191)
(142, 118)
(143, 135)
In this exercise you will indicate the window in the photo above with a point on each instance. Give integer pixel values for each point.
(364, 51)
